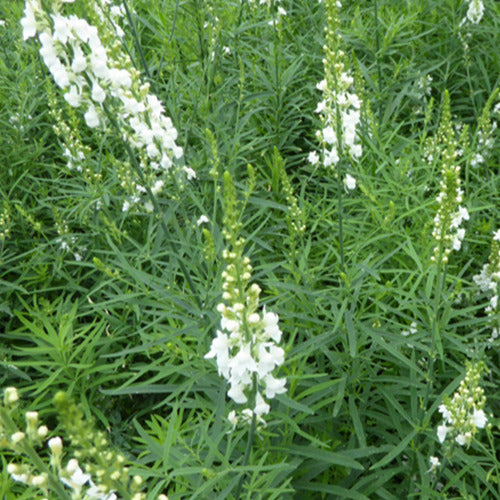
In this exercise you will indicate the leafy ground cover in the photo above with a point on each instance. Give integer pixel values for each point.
(278, 278)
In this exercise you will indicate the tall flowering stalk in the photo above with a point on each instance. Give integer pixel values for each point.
(339, 112)
(246, 346)
(60, 474)
(488, 280)
(339, 109)
(447, 231)
(95, 75)
(463, 413)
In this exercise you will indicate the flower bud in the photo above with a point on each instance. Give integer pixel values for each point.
(17, 437)
(10, 396)
(56, 446)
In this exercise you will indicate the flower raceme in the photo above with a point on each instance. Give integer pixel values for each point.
(94, 77)
(463, 414)
(339, 108)
(246, 344)
(488, 280)
(447, 231)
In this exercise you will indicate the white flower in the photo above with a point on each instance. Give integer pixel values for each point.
(98, 61)
(48, 50)
(28, 22)
(322, 86)
(320, 107)
(91, 117)
(73, 96)
(496, 236)
(202, 220)
(236, 393)
(261, 407)
(329, 135)
(79, 63)
(349, 182)
(17, 437)
(274, 386)
(442, 430)
(62, 28)
(479, 418)
(60, 74)
(77, 478)
(445, 412)
(460, 439)
(271, 326)
(313, 158)
(435, 463)
(457, 241)
(220, 350)
(331, 157)
(96, 493)
(120, 78)
(356, 150)
(233, 419)
(158, 186)
(242, 365)
(190, 173)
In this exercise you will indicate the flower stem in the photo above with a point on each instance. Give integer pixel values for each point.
(251, 434)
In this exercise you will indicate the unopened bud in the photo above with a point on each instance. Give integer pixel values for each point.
(17, 437)
(10, 396)
(56, 446)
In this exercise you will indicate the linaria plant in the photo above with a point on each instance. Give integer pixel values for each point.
(447, 231)
(475, 12)
(246, 346)
(59, 472)
(488, 281)
(96, 76)
(463, 414)
(339, 112)
(484, 138)
(339, 109)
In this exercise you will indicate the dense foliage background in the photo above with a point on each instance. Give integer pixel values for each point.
(95, 301)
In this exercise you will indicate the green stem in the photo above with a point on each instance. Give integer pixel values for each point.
(174, 21)
(251, 434)
(138, 43)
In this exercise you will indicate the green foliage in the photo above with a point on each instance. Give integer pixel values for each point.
(118, 309)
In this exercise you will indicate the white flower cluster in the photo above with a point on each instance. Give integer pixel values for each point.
(245, 346)
(457, 233)
(280, 11)
(485, 139)
(463, 414)
(71, 475)
(474, 12)
(488, 280)
(339, 108)
(346, 105)
(450, 215)
(94, 76)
